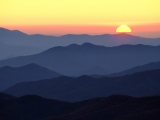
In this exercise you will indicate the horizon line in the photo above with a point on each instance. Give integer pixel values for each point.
(91, 34)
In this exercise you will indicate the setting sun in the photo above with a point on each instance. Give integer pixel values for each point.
(60, 17)
(123, 29)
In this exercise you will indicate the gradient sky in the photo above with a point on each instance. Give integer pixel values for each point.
(57, 17)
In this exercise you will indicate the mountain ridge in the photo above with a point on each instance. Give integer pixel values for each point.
(149, 66)
(71, 89)
(74, 60)
(7, 50)
(31, 72)
(48, 41)
(115, 107)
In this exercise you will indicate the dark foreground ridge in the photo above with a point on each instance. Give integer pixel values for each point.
(6, 96)
(115, 107)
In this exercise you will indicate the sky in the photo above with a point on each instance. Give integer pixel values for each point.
(58, 17)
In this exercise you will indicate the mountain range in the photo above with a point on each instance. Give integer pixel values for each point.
(116, 107)
(31, 72)
(70, 89)
(76, 60)
(18, 38)
(98, 77)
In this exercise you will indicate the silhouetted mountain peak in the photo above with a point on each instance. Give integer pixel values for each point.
(8, 68)
(124, 34)
(73, 46)
(87, 44)
(31, 65)
(3, 29)
(28, 66)
(75, 35)
(9, 33)
(7, 30)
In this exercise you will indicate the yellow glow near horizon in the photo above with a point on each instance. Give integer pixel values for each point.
(78, 12)
(123, 29)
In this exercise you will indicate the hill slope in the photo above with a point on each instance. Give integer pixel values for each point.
(76, 89)
(149, 66)
(7, 51)
(115, 107)
(31, 72)
(6, 96)
(74, 60)
(31, 107)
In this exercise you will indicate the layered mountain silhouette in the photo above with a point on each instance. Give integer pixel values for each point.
(15, 37)
(116, 107)
(31, 72)
(76, 60)
(9, 51)
(70, 89)
(149, 66)
(27, 72)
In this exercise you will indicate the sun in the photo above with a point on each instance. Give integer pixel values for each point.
(123, 29)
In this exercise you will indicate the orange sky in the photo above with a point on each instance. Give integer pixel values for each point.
(58, 17)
